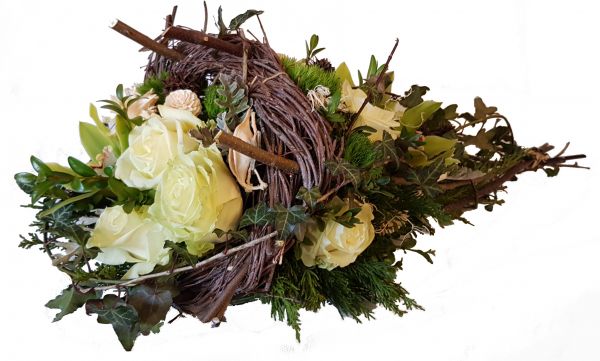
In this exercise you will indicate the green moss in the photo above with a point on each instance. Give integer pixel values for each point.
(156, 84)
(307, 77)
(359, 150)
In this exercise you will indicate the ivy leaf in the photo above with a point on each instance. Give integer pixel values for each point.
(426, 177)
(287, 218)
(417, 115)
(258, 215)
(345, 169)
(309, 196)
(242, 18)
(413, 96)
(25, 181)
(181, 251)
(151, 305)
(482, 110)
(69, 301)
(123, 318)
(387, 149)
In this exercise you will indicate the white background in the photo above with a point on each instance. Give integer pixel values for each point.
(524, 284)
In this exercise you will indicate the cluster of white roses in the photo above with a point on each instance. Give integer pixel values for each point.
(195, 192)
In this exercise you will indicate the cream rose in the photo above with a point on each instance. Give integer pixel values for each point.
(337, 245)
(132, 237)
(153, 144)
(378, 118)
(196, 195)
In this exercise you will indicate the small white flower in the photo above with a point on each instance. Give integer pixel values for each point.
(184, 99)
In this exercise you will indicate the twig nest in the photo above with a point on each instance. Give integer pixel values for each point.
(184, 99)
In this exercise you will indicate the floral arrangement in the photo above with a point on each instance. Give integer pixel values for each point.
(233, 174)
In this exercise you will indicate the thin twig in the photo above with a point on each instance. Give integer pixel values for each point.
(199, 37)
(377, 82)
(145, 41)
(205, 27)
(266, 40)
(189, 268)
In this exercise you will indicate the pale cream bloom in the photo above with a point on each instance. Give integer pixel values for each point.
(337, 245)
(133, 238)
(153, 144)
(196, 195)
(372, 116)
(184, 99)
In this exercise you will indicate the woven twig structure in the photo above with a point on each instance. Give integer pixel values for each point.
(290, 128)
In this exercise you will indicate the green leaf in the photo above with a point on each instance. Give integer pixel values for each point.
(119, 91)
(386, 147)
(258, 215)
(66, 202)
(314, 41)
(181, 251)
(25, 181)
(40, 167)
(309, 196)
(413, 96)
(81, 168)
(151, 304)
(242, 18)
(123, 318)
(345, 169)
(286, 218)
(426, 177)
(415, 116)
(123, 129)
(92, 139)
(99, 124)
(69, 301)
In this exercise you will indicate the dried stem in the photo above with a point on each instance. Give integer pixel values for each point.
(205, 27)
(199, 37)
(189, 268)
(377, 82)
(252, 151)
(145, 41)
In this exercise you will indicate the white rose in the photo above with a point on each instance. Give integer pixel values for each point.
(151, 147)
(131, 237)
(196, 195)
(184, 99)
(337, 245)
(153, 144)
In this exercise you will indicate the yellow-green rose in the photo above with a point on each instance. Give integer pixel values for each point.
(337, 245)
(153, 144)
(196, 195)
(132, 237)
(378, 118)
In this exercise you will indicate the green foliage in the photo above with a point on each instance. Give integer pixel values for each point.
(359, 150)
(155, 83)
(69, 301)
(116, 312)
(231, 97)
(344, 168)
(309, 196)
(237, 21)
(307, 77)
(311, 49)
(151, 304)
(211, 94)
